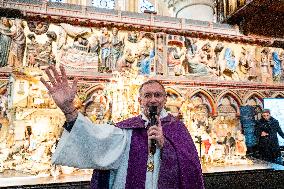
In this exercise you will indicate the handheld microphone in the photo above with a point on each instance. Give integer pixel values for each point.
(153, 112)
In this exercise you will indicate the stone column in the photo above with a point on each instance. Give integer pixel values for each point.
(132, 5)
(193, 9)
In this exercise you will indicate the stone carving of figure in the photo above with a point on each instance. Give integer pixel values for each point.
(133, 37)
(253, 64)
(244, 64)
(38, 27)
(62, 38)
(229, 64)
(207, 56)
(281, 55)
(176, 56)
(191, 46)
(230, 144)
(265, 66)
(5, 41)
(232, 6)
(117, 45)
(200, 62)
(247, 65)
(277, 67)
(146, 54)
(100, 100)
(126, 61)
(81, 44)
(105, 49)
(45, 56)
(218, 49)
(241, 148)
(192, 58)
(160, 54)
(18, 43)
(230, 60)
(94, 45)
(146, 63)
(32, 50)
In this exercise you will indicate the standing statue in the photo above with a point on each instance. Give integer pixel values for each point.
(146, 56)
(105, 49)
(241, 148)
(230, 60)
(5, 41)
(94, 45)
(230, 144)
(229, 65)
(18, 43)
(244, 63)
(146, 63)
(176, 56)
(277, 67)
(281, 55)
(218, 49)
(160, 54)
(253, 66)
(265, 66)
(32, 50)
(117, 45)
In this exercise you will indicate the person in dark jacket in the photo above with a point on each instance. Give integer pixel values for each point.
(267, 129)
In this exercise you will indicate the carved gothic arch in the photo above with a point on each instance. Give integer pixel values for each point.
(234, 96)
(174, 100)
(209, 97)
(172, 90)
(253, 94)
(278, 95)
(90, 91)
(3, 88)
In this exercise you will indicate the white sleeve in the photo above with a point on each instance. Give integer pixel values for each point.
(90, 146)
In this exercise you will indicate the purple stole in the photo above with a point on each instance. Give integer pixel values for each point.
(180, 167)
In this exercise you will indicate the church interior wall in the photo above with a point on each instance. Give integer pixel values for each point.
(207, 81)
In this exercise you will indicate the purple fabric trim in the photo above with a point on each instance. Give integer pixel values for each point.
(137, 163)
(179, 146)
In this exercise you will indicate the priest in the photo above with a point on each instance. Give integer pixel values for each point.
(152, 150)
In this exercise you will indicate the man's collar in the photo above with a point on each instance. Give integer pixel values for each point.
(141, 121)
(163, 114)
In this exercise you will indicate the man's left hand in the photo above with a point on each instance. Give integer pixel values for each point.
(156, 132)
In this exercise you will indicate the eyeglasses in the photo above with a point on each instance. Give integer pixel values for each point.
(156, 95)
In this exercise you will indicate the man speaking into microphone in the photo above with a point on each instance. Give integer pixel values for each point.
(150, 151)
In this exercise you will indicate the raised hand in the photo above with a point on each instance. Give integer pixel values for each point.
(62, 94)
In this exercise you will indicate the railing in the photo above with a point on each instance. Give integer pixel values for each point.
(43, 7)
(94, 13)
